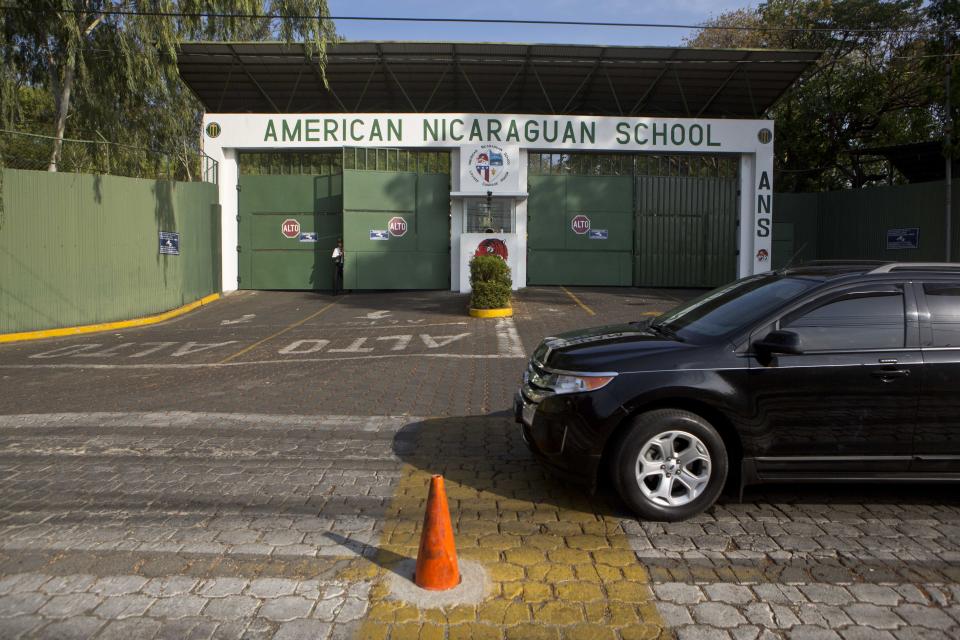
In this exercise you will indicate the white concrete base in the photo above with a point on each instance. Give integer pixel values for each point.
(473, 588)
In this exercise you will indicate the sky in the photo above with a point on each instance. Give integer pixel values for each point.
(649, 11)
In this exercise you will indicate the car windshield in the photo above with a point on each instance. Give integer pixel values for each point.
(731, 307)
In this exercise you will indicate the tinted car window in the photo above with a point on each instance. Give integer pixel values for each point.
(943, 301)
(854, 320)
(734, 306)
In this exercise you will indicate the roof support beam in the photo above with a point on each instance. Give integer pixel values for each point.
(383, 63)
(723, 85)
(683, 95)
(226, 85)
(542, 88)
(296, 85)
(403, 92)
(436, 87)
(646, 94)
(527, 63)
(753, 103)
(506, 89)
(366, 84)
(456, 62)
(587, 80)
(613, 90)
(256, 84)
(320, 82)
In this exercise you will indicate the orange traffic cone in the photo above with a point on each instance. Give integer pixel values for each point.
(437, 568)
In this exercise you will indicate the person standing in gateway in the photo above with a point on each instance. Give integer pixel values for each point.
(337, 258)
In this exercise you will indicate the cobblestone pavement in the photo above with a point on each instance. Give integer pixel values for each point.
(230, 476)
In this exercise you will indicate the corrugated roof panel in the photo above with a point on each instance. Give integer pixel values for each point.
(371, 76)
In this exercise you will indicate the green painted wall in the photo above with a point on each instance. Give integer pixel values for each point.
(270, 260)
(557, 255)
(79, 249)
(853, 224)
(796, 228)
(420, 259)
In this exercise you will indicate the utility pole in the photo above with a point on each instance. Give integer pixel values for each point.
(948, 149)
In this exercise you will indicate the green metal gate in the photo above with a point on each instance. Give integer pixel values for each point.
(560, 191)
(274, 188)
(380, 185)
(686, 220)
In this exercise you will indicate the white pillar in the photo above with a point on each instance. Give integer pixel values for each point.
(456, 220)
(747, 225)
(229, 237)
(520, 271)
(763, 208)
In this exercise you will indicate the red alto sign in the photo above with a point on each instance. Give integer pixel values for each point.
(290, 228)
(580, 224)
(397, 226)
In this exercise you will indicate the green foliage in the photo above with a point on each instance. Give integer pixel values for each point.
(491, 282)
(71, 68)
(875, 84)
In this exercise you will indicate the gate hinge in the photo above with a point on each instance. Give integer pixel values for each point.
(238, 187)
(238, 218)
(238, 248)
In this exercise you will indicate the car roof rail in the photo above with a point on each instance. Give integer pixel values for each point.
(917, 266)
(842, 263)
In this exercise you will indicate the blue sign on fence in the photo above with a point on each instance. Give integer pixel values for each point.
(597, 234)
(903, 238)
(170, 243)
(381, 234)
(308, 236)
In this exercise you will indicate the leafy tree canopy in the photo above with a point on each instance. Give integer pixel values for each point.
(879, 82)
(106, 69)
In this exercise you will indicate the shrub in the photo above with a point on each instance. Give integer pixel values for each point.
(491, 282)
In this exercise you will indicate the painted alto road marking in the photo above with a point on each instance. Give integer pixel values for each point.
(400, 342)
(435, 342)
(355, 347)
(89, 350)
(397, 323)
(245, 318)
(375, 315)
(360, 345)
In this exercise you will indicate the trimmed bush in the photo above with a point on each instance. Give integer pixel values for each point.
(491, 281)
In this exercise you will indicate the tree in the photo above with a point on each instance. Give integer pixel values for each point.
(872, 86)
(109, 66)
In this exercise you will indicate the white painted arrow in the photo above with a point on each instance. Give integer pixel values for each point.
(375, 315)
(245, 318)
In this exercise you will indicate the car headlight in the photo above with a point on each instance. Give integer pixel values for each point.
(569, 383)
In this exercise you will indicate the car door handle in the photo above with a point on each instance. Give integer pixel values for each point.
(887, 375)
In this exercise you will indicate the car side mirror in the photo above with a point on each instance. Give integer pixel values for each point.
(780, 342)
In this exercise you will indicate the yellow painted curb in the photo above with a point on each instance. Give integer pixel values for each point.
(505, 312)
(108, 326)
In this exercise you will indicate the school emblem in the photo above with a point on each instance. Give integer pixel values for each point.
(489, 165)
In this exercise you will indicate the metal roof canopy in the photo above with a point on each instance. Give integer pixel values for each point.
(446, 77)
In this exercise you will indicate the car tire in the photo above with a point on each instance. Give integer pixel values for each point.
(671, 465)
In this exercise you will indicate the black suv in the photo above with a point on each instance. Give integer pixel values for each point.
(833, 371)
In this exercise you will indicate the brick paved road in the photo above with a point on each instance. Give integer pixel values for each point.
(233, 474)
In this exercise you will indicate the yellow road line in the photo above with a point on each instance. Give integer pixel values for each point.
(651, 313)
(577, 300)
(278, 333)
(108, 326)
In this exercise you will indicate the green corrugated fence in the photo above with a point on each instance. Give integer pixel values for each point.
(80, 249)
(853, 224)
